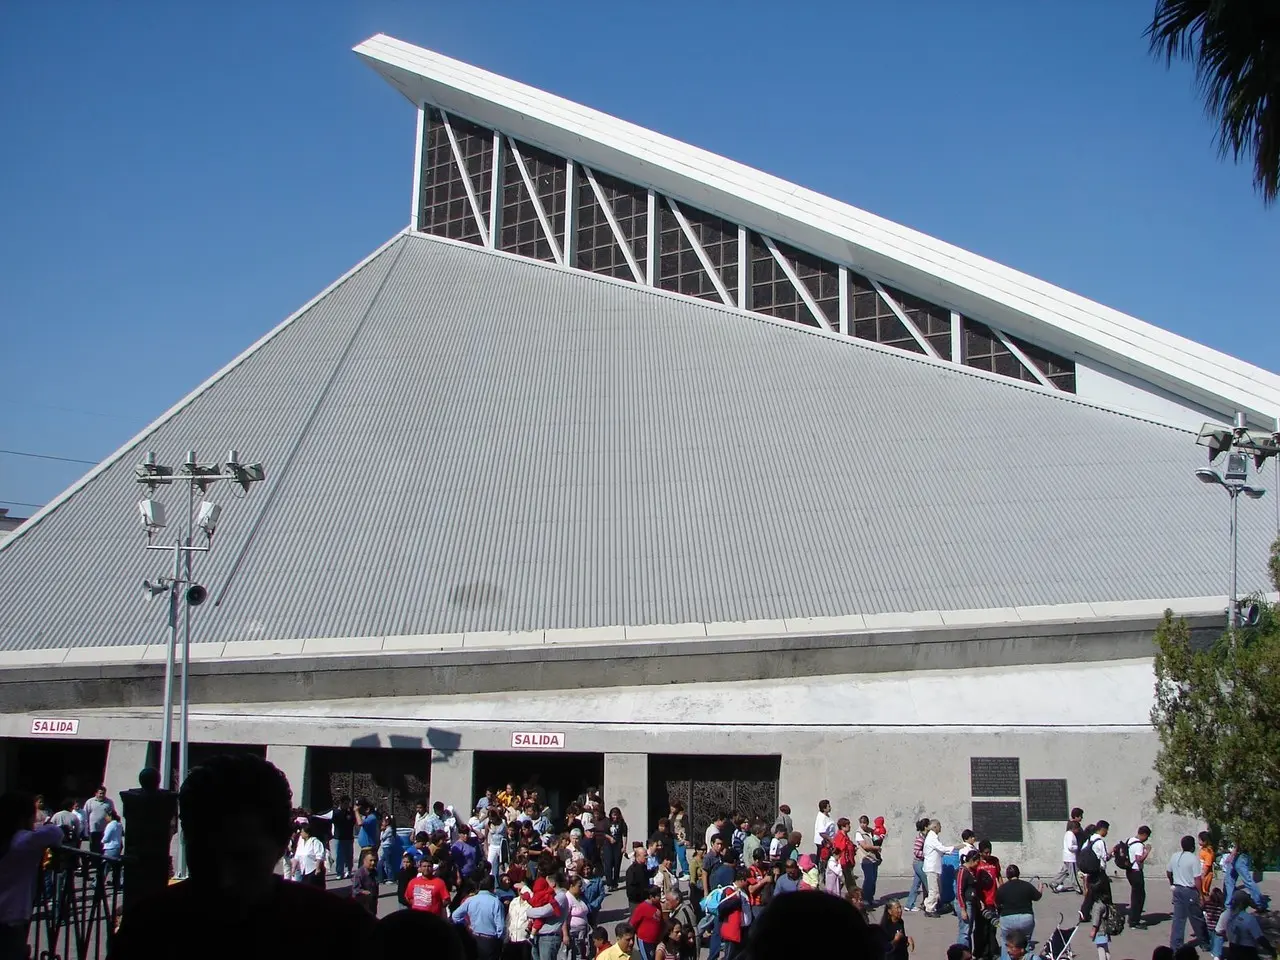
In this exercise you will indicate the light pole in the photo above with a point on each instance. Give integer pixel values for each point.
(1237, 473)
(180, 585)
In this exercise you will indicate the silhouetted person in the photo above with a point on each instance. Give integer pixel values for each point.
(236, 818)
(413, 933)
(810, 923)
(22, 847)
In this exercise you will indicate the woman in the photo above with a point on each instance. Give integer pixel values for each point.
(665, 879)
(388, 850)
(615, 842)
(843, 856)
(968, 903)
(897, 944)
(576, 933)
(680, 827)
(673, 945)
(497, 839)
(917, 866)
(408, 870)
(1243, 934)
(21, 850)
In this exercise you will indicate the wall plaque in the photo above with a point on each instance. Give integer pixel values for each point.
(999, 821)
(1047, 800)
(995, 777)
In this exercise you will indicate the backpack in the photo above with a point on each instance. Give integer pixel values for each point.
(1112, 921)
(1120, 853)
(711, 902)
(1087, 859)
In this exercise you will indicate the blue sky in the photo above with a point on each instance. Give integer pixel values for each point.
(177, 178)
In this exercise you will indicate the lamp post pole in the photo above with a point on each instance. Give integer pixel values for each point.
(166, 742)
(1233, 604)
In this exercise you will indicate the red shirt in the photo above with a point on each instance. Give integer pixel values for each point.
(988, 880)
(427, 893)
(647, 921)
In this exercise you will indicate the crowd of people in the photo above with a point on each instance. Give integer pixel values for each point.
(512, 880)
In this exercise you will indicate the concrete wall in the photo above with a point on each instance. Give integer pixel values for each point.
(292, 761)
(125, 760)
(452, 779)
(626, 786)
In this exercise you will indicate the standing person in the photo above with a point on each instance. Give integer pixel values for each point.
(841, 862)
(752, 843)
(934, 849)
(113, 842)
(783, 820)
(1015, 902)
(497, 839)
(388, 850)
(1100, 892)
(308, 858)
(95, 817)
(576, 933)
(715, 828)
(1208, 856)
(622, 947)
(735, 915)
(917, 866)
(1237, 869)
(824, 828)
(1138, 850)
(422, 820)
(364, 884)
(482, 913)
(342, 843)
(408, 870)
(898, 946)
(368, 837)
(70, 822)
(1184, 876)
(680, 827)
(22, 848)
(1243, 933)
(427, 892)
(647, 920)
(968, 905)
(867, 844)
(1068, 877)
(615, 842)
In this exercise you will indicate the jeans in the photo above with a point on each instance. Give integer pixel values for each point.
(342, 852)
(1137, 895)
(870, 870)
(1186, 906)
(917, 883)
(1242, 872)
(682, 858)
(388, 864)
(545, 947)
(1024, 923)
(933, 890)
(612, 863)
(713, 948)
(964, 928)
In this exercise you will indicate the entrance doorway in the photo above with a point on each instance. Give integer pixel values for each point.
(393, 780)
(57, 769)
(198, 753)
(559, 778)
(712, 785)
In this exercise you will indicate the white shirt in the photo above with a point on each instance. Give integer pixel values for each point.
(1069, 847)
(1099, 845)
(933, 851)
(588, 821)
(1137, 852)
(824, 828)
(1186, 869)
(712, 832)
(420, 823)
(308, 856)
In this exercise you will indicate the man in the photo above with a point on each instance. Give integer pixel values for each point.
(483, 914)
(483, 802)
(647, 921)
(308, 858)
(735, 915)
(235, 814)
(1068, 877)
(716, 827)
(369, 832)
(95, 817)
(824, 828)
(790, 881)
(70, 822)
(466, 852)
(638, 876)
(1184, 876)
(713, 859)
(778, 845)
(752, 843)
(934, 850)
(959, 951)
(421, 819)
(342, 843)
(427, 892)
(1139, 849)
(1015, 902)
(968, 841)
(784, 819)
(623, 946)
(364, 883)
(1238, 869)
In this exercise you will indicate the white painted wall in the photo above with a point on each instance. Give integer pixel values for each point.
(1107, 386)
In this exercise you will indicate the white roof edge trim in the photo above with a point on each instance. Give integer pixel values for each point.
(178, 407)
(849, 339)
(1116, 336)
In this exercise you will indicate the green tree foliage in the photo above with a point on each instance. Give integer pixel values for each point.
(1217, 713)
(1234, 46)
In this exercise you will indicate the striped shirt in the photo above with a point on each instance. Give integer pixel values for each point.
(917, 848)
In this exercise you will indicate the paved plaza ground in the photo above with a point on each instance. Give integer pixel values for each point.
(932, 937)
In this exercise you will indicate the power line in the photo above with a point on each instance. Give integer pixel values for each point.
(45, 456)
(22, 503)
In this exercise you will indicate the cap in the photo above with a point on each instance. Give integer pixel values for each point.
(806, 861)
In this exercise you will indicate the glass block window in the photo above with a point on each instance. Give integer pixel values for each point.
(680, 269)
(521, 231)
(771, 291)
(444, 208)
(820, 277)
(597, 249)
(933, 321)
(870, 318)
(983, 350)
(476, 145)
(1060, 371)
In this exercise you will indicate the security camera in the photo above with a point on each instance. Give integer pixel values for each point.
(196, 595)
(152, 512)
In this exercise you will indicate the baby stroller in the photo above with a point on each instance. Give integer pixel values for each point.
(1058, 946)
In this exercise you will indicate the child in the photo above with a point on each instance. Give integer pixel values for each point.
(1099, 914)
(1213, 908)
(695, 866)
(600, 941)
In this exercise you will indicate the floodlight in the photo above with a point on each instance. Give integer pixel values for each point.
(1253, 493)
(244, 474)
(153, 588)
(1209, 476)
(152, 512)
(152, 473)
(1237, 467)
(1216, 438)
(207, 517)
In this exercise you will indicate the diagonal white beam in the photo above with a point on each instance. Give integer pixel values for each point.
(796, 282)
(618, 236)
(651, 250)
(844, 300)
(417, 168)
(1023, 359)
(461, 163)
(702, 254)
(495, 193)
(906, 321)
(547, 231)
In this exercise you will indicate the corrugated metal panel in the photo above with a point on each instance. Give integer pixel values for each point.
(501, 445)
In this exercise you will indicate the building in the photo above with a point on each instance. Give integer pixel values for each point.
(659, 473)
(9, 524)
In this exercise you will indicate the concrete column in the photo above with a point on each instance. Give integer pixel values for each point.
(125, 760)
(452, 776)
(292, 761)
(802, 782)
(626, 786)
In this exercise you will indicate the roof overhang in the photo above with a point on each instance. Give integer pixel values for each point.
(920, 264)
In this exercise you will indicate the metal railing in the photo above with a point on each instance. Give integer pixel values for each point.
(77, 905)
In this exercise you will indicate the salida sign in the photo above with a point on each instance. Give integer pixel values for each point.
(536, 740)
(54, 727)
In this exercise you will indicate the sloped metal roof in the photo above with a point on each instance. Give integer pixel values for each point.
(461, 440)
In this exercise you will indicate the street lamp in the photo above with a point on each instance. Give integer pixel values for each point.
(180, 586)
(1234, 485)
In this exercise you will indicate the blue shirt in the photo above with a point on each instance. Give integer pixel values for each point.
(369, 831)
(484, 910)
(465, 856)
(111, 839)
